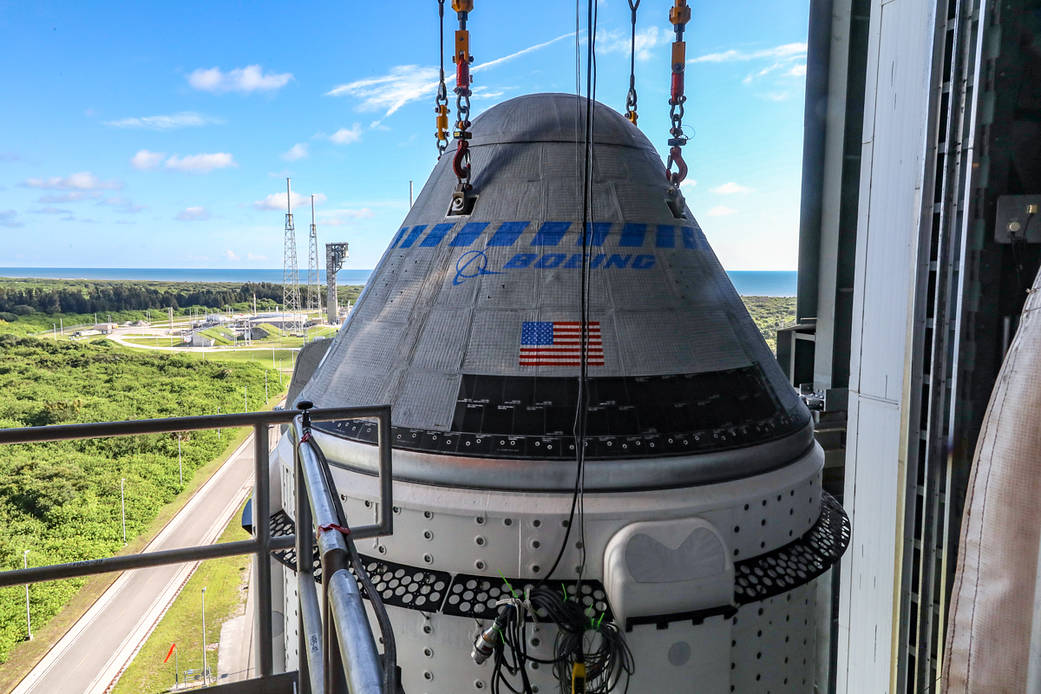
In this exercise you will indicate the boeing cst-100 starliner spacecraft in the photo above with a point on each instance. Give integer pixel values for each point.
(704, 523)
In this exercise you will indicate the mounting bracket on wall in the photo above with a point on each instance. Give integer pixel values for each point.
(1018, 219)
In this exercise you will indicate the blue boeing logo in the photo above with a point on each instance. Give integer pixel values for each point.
(546, 247)
(552, 234)
(471, 264)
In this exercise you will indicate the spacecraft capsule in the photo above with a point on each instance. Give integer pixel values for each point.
(704, 526)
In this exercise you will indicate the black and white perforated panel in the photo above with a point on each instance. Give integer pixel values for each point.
(756, 579)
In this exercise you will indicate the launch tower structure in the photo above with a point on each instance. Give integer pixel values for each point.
(290, 279)
(314, 285)
(335, 253)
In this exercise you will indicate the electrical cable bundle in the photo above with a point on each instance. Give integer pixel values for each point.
(584, 644)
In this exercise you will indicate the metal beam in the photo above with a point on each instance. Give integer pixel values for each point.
(262, 535)
(89, 567)
(136, 427)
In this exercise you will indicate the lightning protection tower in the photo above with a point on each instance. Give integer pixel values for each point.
(314, 286)
(334, 256)
(290, 279)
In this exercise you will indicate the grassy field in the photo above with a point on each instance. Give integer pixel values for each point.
(152, 340)
(61, 501)
(219, 335)
(225, 583)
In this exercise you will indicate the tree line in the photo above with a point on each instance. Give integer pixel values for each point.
(122, 296)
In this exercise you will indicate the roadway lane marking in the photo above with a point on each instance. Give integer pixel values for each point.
(134, 641)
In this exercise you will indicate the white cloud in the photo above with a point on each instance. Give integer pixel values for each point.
(407, 83)
(483, 92)
(345, 216)
(121, 204)
(784, 51)
(193, 214)
(517, 54)
(200, 163)
(145, 160)
(277, 201)
(173, 121)
(776, 96)
(388, 93)
(52, 210)
(83, 180)
(730, 188)
(231, 255)
(9, 219)
(688, 184)
(255, 257)
(785, 61)
(345, 136)
(297, 151)
(243, 79)
(720, 211)
(620, 42)
(53, 198)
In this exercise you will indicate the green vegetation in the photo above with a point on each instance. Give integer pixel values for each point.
(87, 296)
(220, 335)
(31, 306)
(225, 583)
(61, 501)
(769, 314)
(283, 357)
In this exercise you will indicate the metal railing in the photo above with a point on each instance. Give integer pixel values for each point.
(347, 632)
(339, 653)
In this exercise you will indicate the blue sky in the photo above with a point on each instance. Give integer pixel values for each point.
(160, 135)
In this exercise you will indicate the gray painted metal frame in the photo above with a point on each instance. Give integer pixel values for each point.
(262, 544)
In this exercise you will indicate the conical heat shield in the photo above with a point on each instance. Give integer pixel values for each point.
(469, 326)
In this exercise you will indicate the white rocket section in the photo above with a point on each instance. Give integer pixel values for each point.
(768, 646)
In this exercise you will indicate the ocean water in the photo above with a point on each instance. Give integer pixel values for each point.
(747, 282)
(238, 276)
(764, 283)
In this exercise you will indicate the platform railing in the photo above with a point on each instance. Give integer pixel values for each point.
(344, 618)
(339, 653)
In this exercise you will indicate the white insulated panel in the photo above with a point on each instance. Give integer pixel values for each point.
(899, 67)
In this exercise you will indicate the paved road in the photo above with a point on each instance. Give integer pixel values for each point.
(95, 650)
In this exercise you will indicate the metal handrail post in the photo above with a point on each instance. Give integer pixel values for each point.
(262, 530)
(354, 634)
(385, 526)
(310, 673)
(386, 473)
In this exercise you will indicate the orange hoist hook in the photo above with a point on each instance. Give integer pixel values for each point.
(679, 15)
(462, 59)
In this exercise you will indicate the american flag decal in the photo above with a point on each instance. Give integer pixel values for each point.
(559, 343)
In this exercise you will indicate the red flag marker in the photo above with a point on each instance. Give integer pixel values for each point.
(170, 652)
